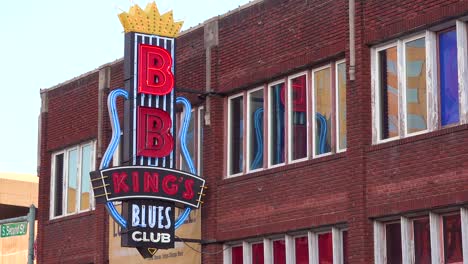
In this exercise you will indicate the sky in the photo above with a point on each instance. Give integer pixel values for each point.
(47, 42)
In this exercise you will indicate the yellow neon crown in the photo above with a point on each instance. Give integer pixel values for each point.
(149, 21)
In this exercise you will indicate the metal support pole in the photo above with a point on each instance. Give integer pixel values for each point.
(31, 220)
(14, 220)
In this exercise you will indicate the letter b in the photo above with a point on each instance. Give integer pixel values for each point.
(154, 133)
(154, 70)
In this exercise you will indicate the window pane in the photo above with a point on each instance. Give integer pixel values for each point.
(279, 252)
(201, 119)
(190, 143)
(277, 124)
(86, 165)
(448, 75)
(388, 93)
(302, 250)
(58, 188)
(72, 180)
(323, 111)
(341, 86)
(416, 104)
(345, 247)
(299, 117)
(393, 240)
(422, 241)
(256, 129)
(325, 248)
(237, 255)
(452, 239)
(257, 253)
(236, 135)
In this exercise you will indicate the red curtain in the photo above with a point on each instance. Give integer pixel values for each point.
(422, 241)
(237, 255)
(257, 253)
(279, 252)
(452, 239)
(393, 235)
(325, 248)
(302, 250)
(345, 247)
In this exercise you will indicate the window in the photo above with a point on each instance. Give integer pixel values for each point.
(237, 255)
(71, 191)
(296, 249)
(279, 251)
(448, 76)
(290, 120)
(452, 239)
(410, 240)
(255, 129)
(416, 84)
(302, 249)
(388, 91)
(325, 245)
(422, 241)
(393, 242)
(193, 140)
(257, 253)
(341, 105)
(415, 79)
(298, 117)
(277, 129)
(236, 135)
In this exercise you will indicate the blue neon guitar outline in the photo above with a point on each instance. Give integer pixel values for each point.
(116, 131)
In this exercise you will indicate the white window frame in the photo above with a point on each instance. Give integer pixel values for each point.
(248, 127)
(228, 155)
(405, 86)
(407, 237)
(290, 248)
(199, 142)
(338, 108)
(432, 82)
(314, 122)
(288, 129)
(270, 108)
(289, 91)
(376, 109)
(65, 153)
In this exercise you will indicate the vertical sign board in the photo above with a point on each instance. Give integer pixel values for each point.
(147, 183)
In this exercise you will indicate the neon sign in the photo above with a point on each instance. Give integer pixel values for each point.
(147, 183)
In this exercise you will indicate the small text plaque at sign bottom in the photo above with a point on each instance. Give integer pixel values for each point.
(14, 229)
(151, 224)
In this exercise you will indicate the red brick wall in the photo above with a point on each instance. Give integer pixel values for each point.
(271, 38)
(258, 44)
(70, 120)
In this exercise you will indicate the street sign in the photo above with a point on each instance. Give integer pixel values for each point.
(15, 229)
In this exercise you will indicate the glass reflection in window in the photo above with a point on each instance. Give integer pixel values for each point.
(323, 111)
(255, 147)
(298, 122)
(72, 180)
(277, 128)
(389, 127)
(236, 139)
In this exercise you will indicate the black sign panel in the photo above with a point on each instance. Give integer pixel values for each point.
(143, 182)
(150, 224)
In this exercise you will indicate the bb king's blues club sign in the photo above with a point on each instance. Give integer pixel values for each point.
(147, 183)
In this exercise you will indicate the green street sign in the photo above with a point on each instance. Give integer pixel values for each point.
(15, 229)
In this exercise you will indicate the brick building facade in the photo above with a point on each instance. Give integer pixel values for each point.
(365, 168)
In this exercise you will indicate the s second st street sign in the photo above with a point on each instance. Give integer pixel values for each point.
(14, 229)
